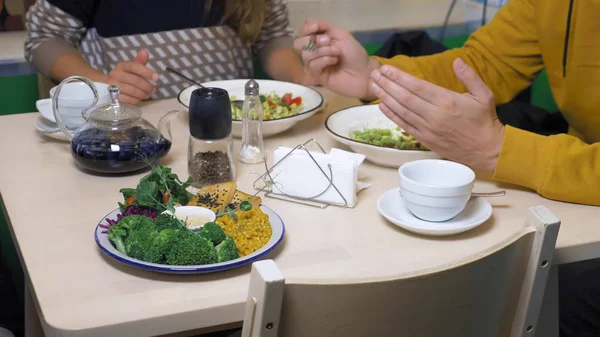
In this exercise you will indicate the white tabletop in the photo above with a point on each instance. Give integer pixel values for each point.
(54, 207)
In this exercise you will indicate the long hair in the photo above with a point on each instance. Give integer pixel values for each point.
(246, 17)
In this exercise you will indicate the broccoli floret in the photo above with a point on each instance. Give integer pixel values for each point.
(226, 250)
(119, 233)
(188, 248)
(168, 221)
(213, 233)
(168, 226)
(134, 222)
(140, 241)
(160, 246)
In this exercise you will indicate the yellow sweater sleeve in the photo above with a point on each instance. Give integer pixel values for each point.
(560, 167)
(505, 53)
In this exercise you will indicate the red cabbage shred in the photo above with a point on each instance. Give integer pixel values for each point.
(130, 210)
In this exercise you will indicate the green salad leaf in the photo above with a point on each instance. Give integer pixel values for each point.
(161, 189)
(146, 193)
(245, 206)
(128, 192)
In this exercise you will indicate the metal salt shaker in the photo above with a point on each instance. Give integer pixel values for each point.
(252, 150)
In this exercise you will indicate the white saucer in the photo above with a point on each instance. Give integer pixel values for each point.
(391, 206)
(49, 128)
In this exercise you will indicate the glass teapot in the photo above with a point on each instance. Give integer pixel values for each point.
(114, 137)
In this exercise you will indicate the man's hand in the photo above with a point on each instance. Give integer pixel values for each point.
(133, 79)
(339, 63)
(460, 127)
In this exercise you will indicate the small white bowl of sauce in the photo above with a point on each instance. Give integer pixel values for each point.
(194, 217)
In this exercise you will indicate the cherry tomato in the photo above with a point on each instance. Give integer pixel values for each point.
(297, 101)
(166, 197)
(287, 99)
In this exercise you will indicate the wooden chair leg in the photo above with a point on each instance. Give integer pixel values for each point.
(265, 297)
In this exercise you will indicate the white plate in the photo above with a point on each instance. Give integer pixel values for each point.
(107, 248)
(391, 207)
(44, 106)
(312, 101)
(49, 129)
(341, 123)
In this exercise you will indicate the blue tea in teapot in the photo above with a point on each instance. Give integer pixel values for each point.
(114, 138)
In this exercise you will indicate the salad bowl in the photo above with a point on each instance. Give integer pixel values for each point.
(343, 123)
(312, 102)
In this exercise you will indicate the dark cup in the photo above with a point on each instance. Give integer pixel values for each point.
(210, 114)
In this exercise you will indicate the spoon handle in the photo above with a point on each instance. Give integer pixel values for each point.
(489, 194)
(184, 77)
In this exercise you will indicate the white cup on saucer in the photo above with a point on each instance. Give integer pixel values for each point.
(435, 190)
(74, 99)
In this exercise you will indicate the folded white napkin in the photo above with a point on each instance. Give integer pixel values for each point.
(299, 176)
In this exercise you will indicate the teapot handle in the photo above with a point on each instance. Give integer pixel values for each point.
(164, 124)
(55, 108)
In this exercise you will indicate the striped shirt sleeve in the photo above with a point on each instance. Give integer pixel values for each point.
(276, 32)
(51, 33)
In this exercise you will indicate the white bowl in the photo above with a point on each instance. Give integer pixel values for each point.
(435, 190)
(433, 209)
(342, 123)
(193, 211)
(74, 99)
(312, 101)
(78, 94)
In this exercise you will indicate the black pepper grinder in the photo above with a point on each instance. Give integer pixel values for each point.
(210, 150)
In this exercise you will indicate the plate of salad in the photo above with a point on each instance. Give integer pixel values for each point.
(144, 231)
(274, 106)
(366, 130)
(284, 103)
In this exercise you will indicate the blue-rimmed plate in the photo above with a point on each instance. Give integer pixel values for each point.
(107, 248)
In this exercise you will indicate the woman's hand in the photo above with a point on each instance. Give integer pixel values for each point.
(306, 78)
(340, 62)
(133, 79)
(460, 127)
(284, 64)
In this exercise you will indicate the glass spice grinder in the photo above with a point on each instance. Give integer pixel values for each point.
(210, 149)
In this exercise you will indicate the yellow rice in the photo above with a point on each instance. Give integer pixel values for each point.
(250, 233)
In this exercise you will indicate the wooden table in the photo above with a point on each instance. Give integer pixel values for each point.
(54, 207)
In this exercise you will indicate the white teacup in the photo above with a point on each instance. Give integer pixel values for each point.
(74, 99)
(435, 190)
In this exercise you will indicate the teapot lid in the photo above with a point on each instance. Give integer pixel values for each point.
(115, 111)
